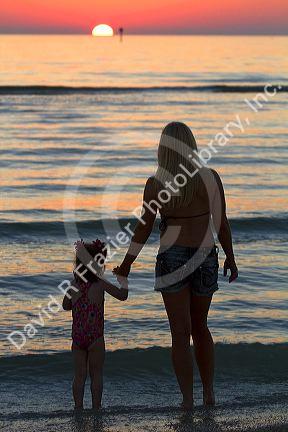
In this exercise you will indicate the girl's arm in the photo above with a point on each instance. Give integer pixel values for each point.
(223, 229)
(119, 293)
(67, 300)
(70, 298)
(142, 230)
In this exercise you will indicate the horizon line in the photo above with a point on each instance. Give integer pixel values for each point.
(66, 33)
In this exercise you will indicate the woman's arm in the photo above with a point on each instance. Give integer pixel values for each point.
(223, 229)
(142, 230)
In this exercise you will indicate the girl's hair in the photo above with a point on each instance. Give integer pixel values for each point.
(84, 254)
(178, 148)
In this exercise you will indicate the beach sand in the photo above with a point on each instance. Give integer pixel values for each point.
(226, 418)
(141, 393)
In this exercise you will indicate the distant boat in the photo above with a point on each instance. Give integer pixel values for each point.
(120, 32)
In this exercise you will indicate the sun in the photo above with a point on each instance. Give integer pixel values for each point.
(102, 30)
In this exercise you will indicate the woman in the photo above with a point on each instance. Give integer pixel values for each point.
(191, 201)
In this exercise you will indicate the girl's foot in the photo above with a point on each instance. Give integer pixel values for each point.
(208, 397)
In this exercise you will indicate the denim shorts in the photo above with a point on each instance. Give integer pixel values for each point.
(177, 266)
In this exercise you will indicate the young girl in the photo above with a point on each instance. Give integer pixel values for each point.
(86, 300)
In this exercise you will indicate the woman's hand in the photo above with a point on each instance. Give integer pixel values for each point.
(230, 264)
(122, 270)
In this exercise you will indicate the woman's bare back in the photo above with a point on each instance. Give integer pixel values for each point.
(190, 226)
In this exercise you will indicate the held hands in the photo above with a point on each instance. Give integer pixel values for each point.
(230, 264)
(121, 274)
(122, 270)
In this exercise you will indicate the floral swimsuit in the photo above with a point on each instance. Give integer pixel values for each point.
(88, 319)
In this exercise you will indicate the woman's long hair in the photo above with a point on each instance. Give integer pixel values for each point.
(177, 149)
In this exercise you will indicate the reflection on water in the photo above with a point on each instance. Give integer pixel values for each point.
(87, 422)
(203, 420)
(200, 420)
(147, 60)
(46, 137)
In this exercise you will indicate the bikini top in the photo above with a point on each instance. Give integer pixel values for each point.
(163, 222)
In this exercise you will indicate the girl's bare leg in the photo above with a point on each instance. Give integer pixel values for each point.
(203, 345)
(80, 374)
(96, 355)
(178, 310)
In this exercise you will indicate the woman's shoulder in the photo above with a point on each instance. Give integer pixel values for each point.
(153, 184)
(151, 181)
(214, 172)
(151, 188)
(208, 173)
(216, 177)
(205, 169)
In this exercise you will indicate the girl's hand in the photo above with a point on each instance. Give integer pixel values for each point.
(123, 281)
(230, 264)
(122, 270)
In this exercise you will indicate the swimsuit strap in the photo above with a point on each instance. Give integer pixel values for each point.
(163, 222)
(185, 217)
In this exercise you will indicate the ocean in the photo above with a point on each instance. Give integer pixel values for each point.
(81, 120)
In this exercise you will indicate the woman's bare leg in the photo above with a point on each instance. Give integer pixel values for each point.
(178, 310)
(203, 345)
(96, 355)
(80, 374)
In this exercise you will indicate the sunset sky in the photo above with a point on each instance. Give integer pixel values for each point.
(149, 16)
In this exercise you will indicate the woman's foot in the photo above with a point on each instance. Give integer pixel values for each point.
(187, 404)
(208, 397)
(96, 407)
(78, 411)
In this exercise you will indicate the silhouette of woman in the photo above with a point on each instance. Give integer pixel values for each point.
(190, 199)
